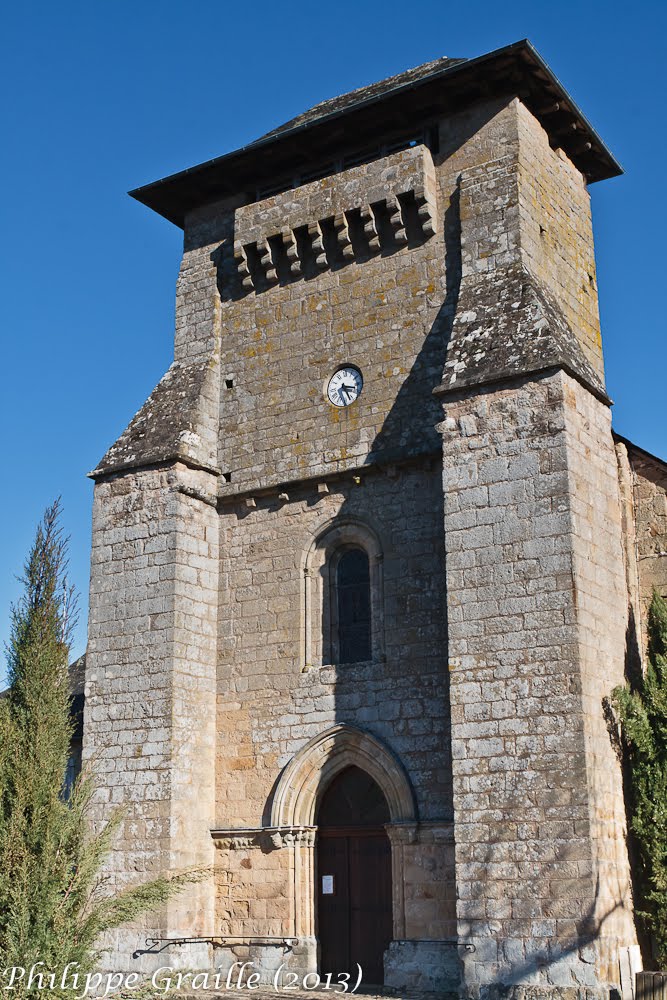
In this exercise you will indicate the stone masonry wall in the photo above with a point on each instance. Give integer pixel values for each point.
(389, 308)
(268, 707)
(282, 344)
(389, 305)
(643, 485)
(150, 687)
(649, 496)
(525, 228)
(198, 301)
(531, 798)
(377, 184)
(602, 617)
(557, 231)
(651, 520)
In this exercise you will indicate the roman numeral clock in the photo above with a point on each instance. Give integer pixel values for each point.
(345, 386)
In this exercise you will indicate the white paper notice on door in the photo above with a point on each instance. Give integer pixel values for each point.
(327, 885)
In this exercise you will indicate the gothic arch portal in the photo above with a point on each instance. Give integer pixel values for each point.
(313, 768)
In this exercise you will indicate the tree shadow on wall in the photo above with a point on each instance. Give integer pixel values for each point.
(521, 974)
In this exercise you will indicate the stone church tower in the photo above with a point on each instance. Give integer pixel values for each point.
(359, 584)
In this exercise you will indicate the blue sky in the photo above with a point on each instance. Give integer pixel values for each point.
(98, 98)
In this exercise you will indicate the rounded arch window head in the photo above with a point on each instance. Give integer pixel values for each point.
(343, 603)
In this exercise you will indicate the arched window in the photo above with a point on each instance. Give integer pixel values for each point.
(353, 606)
(343, 607)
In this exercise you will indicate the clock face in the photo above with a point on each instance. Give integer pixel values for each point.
(344, 386)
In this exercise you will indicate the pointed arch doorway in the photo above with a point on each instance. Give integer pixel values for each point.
(353, 864)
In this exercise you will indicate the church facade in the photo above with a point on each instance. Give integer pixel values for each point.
(365, 565)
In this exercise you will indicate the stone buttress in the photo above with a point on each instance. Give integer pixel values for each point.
(151, 669)
(536, 591)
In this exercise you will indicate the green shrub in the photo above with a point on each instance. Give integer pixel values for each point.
(53, 907)
(642, 707)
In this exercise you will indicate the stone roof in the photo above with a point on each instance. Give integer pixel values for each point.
(645, 461)
(353, 97)
(411, 100)
(176, 422)
(508, 325)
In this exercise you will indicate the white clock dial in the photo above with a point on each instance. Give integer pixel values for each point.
(344, 386)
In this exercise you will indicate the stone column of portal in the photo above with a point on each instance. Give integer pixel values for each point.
(150, 694)
(305, 894)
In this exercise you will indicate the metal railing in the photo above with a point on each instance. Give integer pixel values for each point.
(224, 939)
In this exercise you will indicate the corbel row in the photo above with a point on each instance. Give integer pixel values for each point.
(357, 234)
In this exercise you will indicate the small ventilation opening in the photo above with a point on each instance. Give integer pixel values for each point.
(229, 383)
(227, 476)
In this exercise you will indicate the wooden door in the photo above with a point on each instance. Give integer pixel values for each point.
(354, 901)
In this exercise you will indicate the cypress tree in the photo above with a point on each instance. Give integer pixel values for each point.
(52, 903)
(642, 707)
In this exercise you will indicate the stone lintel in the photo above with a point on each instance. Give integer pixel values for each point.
(271, 837)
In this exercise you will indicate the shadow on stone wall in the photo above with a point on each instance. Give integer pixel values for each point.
(416, 406)
(420, 613)
(516, 978)
(402, 696)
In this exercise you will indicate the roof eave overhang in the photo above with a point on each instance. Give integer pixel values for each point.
(516, 69)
